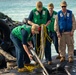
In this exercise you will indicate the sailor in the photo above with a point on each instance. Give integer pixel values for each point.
(20, 37)
(64, 27)
(39, 15)
(51, 31)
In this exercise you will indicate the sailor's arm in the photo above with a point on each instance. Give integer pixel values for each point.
(30, 18)
(73, 25)
(24, 42)
(56, 27)
(27, 51)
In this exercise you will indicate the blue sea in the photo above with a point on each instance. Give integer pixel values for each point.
(20, 9)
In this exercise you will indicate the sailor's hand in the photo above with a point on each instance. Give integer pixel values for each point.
(48, 23)
(58, 35)
(30, 56)
(31, 46)
(71, 33)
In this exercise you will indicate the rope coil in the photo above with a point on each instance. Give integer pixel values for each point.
(44, 36)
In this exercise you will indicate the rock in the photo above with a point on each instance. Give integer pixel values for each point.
(2, 61)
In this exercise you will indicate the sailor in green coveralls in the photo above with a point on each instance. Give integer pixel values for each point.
(20, 37)
(38, 16)
(51, 31)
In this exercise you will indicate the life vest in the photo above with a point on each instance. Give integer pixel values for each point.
(65, 22)
(17, 31)
(40, 19)
(51, 25)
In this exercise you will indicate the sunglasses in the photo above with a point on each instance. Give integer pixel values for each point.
(63, 6)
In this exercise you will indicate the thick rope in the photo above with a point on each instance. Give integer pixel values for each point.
(44, 36)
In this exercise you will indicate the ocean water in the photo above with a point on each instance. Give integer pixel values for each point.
(20, 9)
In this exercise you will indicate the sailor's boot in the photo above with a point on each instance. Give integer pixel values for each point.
(58, 56)
(49, 62)
(62, 59)
(70, 59)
